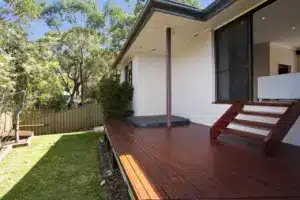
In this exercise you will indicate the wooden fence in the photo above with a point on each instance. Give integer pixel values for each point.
(72, 120)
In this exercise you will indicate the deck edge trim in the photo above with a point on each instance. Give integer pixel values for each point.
(131, 192)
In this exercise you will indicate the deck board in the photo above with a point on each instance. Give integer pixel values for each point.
(181, 163)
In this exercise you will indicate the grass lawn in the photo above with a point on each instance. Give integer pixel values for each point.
(60, 166)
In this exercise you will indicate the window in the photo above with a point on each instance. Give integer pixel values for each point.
(128, 73)
(284, 69)
(232, 45)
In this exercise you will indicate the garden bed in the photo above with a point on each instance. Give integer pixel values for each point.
(111, 177)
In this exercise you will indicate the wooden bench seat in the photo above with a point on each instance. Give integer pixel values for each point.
(141, 186)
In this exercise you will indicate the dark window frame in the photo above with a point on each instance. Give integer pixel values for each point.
(218, 72)
(128, 73)
(250, 31)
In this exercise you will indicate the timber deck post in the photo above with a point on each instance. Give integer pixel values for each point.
(168, 77)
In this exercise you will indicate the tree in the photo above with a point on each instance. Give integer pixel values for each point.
(193, 3)
(28, 70)
(6, 86)
(120, 24)
(83, 13)
(12, 14)
(19, 11)
(78, 50)
(6, 81)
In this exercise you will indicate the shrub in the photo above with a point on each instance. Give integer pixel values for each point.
(115, 97)
(57, 102)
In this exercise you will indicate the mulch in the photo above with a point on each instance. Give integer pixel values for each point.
(114, 185)
(116, 188)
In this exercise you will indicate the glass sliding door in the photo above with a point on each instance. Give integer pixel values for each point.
(233, 60)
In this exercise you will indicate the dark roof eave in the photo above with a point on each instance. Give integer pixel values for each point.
(216, 7)
(171, 8)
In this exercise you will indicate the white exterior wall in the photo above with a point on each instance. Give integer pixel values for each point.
(149, 84)
(194, 81)
(193, 85)
(135, 81)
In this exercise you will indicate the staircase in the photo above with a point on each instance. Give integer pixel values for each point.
(267, 122)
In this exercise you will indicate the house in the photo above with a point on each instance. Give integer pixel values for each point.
(230, 51)
(232, 68)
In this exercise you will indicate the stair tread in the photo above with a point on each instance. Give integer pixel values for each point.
(253, 124)
(244, 134)
(274, 104)
(262, 114)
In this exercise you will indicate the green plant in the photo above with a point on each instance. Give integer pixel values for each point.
(115, 97)
(56, 102)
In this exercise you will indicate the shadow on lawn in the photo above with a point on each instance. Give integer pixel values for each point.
(69, 170)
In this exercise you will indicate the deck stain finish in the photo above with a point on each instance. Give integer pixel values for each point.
(181, 163)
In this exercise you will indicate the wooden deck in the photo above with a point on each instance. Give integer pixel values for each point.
(180, 163)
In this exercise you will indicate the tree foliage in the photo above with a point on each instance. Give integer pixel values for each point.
(29, 72)
(193, 3)
(31, 69)
(77, 52)
(6, 82)
(73, 12)
(19, 10)
(120, 24)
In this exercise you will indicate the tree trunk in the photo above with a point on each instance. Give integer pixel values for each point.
(72, 95)
(17, 126)
(82, 94)
(71, 101)
(17, 115)
(82, 97)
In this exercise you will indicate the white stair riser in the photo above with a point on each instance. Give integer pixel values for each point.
(268, 109)
(269, 120)
(248, 129)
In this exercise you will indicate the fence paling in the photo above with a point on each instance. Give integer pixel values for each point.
(65, 121)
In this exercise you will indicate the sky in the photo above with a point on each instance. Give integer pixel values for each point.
(38, 28)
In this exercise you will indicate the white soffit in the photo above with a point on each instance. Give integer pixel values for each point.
(152, 38)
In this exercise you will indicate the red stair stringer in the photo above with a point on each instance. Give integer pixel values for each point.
(281, 129)
(225, 119)
(277, 132)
